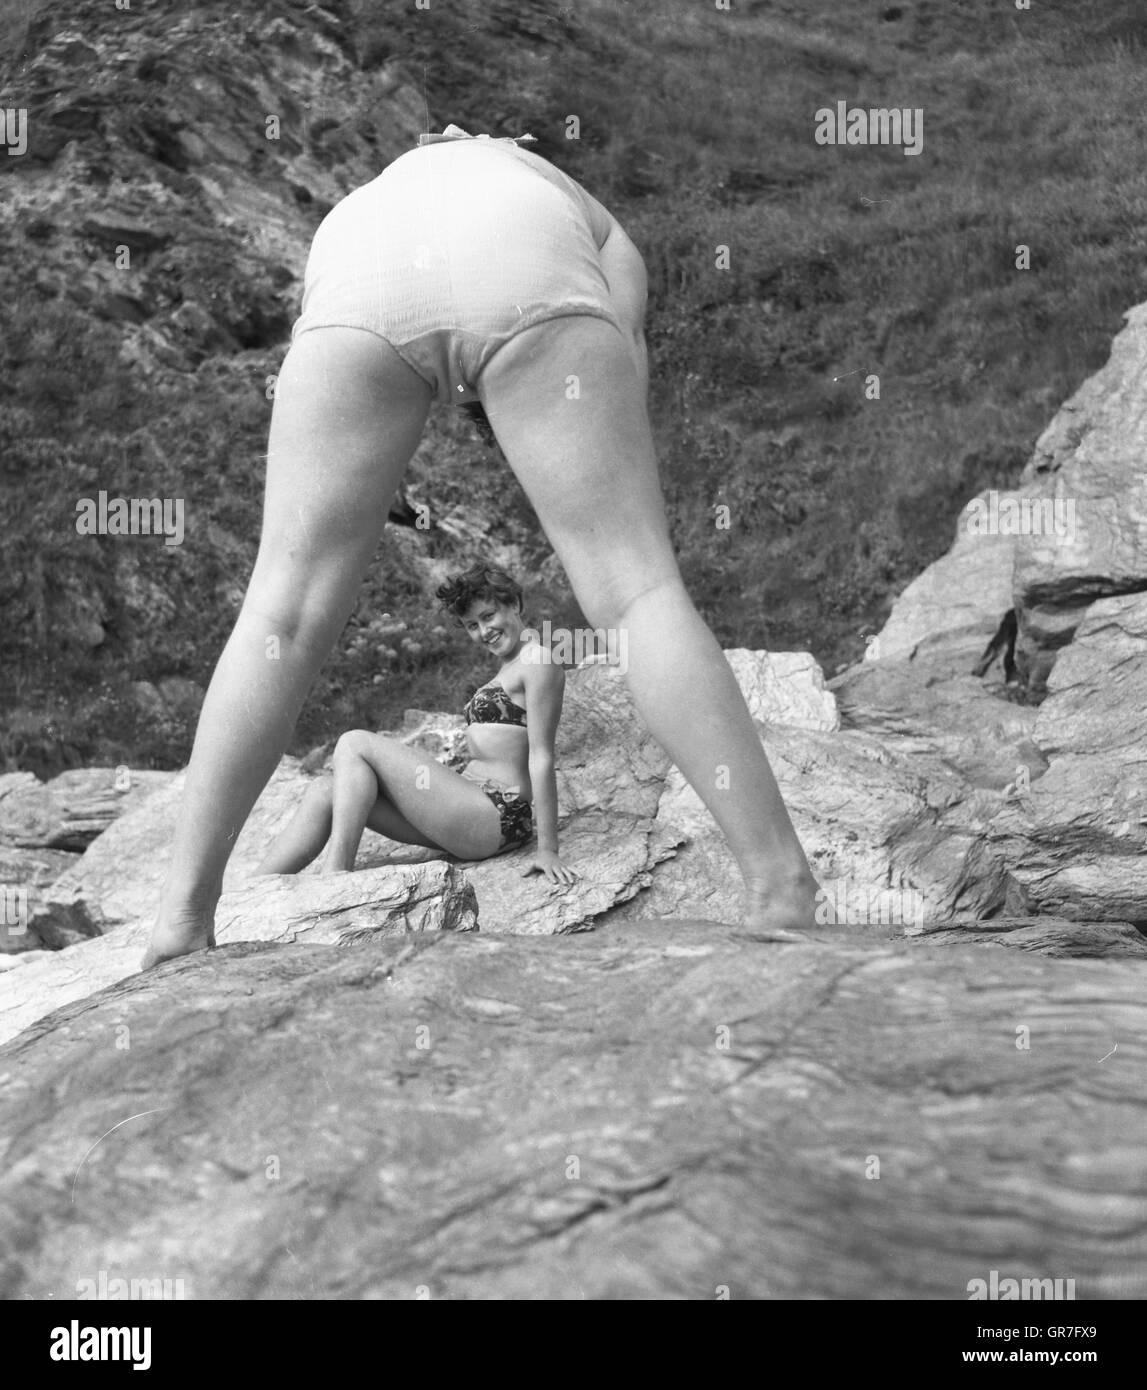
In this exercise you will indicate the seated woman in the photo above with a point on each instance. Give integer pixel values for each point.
(402, 793)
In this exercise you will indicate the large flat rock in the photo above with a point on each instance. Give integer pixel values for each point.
(660, 1110)
(394, 900)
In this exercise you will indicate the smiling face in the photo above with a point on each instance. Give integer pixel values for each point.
(496, 627)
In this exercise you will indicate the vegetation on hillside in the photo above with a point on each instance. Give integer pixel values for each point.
(696, 128)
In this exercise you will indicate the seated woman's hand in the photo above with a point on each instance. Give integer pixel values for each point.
(546, 861)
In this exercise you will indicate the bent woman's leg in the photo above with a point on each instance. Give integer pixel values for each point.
(347, 417)
(586, 460)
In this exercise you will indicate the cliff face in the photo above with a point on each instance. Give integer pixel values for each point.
(1044, 594)
(175, 171)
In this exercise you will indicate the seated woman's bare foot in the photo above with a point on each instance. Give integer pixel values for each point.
(782, 912)
(179, 935)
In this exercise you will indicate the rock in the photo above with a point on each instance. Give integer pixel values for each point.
(1074, 840)
(869, 816)
(343, 907)
(1073, 531)
(57, 922)
(18, 781)
(275, 908)
(112, 232)
(10, 960)
(660, 1111)
(1050, 936)
(34, 868)
(122, 872)
(71, 810)
(908, 821)
(606, 761)
(972, 725)
(615, 863)
(443, 735)
(784, 688)
(32, 871)
(951, 611)
(1090, 461)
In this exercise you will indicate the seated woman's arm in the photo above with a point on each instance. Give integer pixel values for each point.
(545, 686)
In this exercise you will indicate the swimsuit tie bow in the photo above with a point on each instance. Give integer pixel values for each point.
(455, 132)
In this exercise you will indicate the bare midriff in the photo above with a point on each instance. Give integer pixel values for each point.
(499, 753)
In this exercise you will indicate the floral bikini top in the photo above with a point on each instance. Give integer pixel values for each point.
(491, 705)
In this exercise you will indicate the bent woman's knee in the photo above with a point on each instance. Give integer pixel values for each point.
(609, 600)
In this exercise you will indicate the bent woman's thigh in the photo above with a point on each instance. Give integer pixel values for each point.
(567, 403)
(347, 416)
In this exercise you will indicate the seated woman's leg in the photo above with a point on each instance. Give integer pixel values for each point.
(432, 805)
(303, 838)
(348, 415)
(301, 841)
(360, 802)
(586, 460)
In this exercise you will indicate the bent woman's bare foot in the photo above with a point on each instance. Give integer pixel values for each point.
(782, 912)
(179, 935)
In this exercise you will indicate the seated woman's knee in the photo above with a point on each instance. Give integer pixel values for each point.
(355, 743)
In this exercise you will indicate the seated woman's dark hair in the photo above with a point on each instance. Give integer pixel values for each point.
(477, 583)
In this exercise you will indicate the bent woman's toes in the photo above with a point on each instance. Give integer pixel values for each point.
(782, 914)
(180, 936)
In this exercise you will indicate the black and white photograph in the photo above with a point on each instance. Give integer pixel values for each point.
(573, 720)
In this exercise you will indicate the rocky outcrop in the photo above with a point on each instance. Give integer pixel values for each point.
(336, 910)
(662, 1110)
(215, 163)
(1075, 836)
(973, 726)
(952, 610)
(25, 875)
(43, 826)
(1062, 748)
(1090, 464)
(71, 810)
(1074, 530)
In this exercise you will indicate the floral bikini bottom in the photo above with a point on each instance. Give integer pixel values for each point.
(514, 812)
